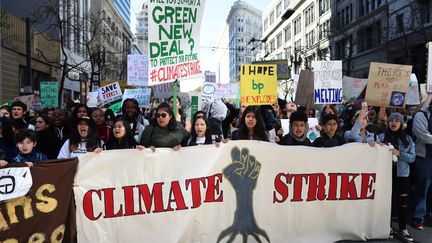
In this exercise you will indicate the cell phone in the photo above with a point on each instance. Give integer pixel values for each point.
(364, 105)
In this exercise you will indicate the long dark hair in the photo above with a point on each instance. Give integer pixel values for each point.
(208, 134)
(93, 141)
(393, 137)
(179, 108)
(172, 124)
(127, 142)
(74, 117)
(259, 131)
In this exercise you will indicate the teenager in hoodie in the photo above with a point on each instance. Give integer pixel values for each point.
(298, 130)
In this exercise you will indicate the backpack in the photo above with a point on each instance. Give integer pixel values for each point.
(409, 127)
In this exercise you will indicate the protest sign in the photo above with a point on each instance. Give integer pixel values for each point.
(283, 70)
(164, 91)
(258, 84)
(429, 69)
(143, 96)
(14, 182)
(116, 107)
(253, 183)
(195, 98)
(27, 100)
(49, 94)
(352, 87)
(137, 70)
(327, 82)
(174, 50)
(413, 96)
(93, 99)
(46, 213)
(305, 91)
(387, 84)
(110, 93)
(211, 90)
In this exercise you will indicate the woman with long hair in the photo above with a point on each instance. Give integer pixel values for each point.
(200, 133)
(163, 130)
(83, 139)
(251, 126)
(403, 154)
(121, 136)
(47, 141)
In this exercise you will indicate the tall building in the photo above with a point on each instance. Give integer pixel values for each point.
(298, 31)
(209, 77)
(245, 29)
(124, 8)
(141, 35)
(393, 31)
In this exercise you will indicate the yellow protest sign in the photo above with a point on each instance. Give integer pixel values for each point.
(388, 84)
(258, 84)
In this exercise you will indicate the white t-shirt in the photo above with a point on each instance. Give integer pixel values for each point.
(200, 140)
(81, 150)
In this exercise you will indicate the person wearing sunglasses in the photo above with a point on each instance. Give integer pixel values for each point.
(163, 131)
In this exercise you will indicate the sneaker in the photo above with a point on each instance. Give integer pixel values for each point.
(418, 225)
(405, 235)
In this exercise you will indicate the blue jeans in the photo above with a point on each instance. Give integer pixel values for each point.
(423, 179)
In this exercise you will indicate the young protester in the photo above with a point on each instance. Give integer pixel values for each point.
(82, 140)
(377, 122)
(19, 110)
(61, 127)
(121, 136)
(200, 133)
(181, 118)
(26, 142)
(422, 130)
(131, 112)
(163, 131)
(290, 107)
(251, 126)
(5, 111)
(102, 129)
(47, 141)
(79, 111)
(358, 132)
(404, 149)
(298, 130)
(329, 137)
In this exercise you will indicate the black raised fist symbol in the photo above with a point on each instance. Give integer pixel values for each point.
(243, 174)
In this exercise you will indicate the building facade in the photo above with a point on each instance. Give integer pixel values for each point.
(245, 29)
(141, 35)
(124, 9)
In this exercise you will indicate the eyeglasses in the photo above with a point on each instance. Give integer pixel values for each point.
(163, 115)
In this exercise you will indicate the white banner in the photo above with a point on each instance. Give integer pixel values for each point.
(174, 46)
(258, 189)
(327, 82)
(352, 87)
(14, 182)
(110, 93)
(137, 70)
(143, 96)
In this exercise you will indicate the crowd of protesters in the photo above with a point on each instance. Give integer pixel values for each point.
(65, 133)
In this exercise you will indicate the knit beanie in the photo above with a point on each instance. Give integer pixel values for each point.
(397, 116)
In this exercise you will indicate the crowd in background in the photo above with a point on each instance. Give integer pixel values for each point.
(65, 133)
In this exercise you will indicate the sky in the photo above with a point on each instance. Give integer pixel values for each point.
(214, 18)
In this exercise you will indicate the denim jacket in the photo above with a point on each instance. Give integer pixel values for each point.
(354, 135)
(407, 155)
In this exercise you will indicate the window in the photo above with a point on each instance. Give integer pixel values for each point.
(310, 38)
(324, 30)
(265, 24)
(324, 6)
(287, 31)
(297, 45)
(345, 16)
(272, 46)
(367, 6)
(297, 25)
(309, 15)
(369, 37)
(279, 9)
(286, 3)
(288, 52)
(342, 49)
(272, 18)
(400, 22)
(279, 40)
(240, 29)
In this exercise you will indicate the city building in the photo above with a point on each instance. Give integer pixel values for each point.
(124, 8)
(209, 77)
(141, 35)
(394, 31)
(297, 31)
(245, 31)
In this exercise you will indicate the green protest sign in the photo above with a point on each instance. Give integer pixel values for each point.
(49, 94)
(116, 107)
(174, 50)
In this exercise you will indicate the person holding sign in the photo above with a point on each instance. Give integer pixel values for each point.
(163, 131)
(404, 150)
(251, 126)
(298, 130)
